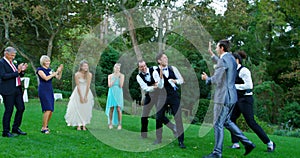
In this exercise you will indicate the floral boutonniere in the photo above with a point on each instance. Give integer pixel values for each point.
(15, 62)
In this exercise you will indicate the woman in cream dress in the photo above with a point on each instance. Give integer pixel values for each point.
(79, 110)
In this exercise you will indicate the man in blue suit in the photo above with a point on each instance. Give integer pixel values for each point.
(225, 97)
(11, 91)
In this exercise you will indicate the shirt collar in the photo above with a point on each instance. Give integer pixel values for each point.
(239, 65)
(164, 68)
(223, 54)
(6, 60)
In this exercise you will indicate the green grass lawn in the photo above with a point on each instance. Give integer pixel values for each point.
(99, 141)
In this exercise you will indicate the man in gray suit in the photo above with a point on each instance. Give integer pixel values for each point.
(225, 98)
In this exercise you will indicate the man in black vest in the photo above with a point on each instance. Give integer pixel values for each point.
(244, 105)
(167, 78)
(149, 86)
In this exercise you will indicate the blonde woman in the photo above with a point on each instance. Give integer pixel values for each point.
(45, 89)
(114, 104)
(80, 106)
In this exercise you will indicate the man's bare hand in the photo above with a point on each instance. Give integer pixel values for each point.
(209, 49)
(204, 76)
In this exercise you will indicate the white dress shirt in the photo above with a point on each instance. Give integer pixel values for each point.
(160, 81)
(245, 75)
(143, 84)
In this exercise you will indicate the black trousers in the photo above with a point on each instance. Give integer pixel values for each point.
(174, 102)
(244, 106)
(155, 100)
(146, 114)
(15, 99)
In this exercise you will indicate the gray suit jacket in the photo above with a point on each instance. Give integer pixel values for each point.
(224, 79)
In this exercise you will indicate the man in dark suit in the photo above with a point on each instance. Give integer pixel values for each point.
(225, 98)
(168, 77)
(11, 91)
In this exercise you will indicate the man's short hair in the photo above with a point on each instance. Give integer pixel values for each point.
(140, 61)
(158, 56)
(10, 50)
(225, 43)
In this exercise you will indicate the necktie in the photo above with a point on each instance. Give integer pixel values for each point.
(15, 69)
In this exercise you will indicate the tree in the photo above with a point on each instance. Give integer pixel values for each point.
(30, 22)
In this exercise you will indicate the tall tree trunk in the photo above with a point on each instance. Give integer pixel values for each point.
(6, 28)
(50, 43)
(162, 34)
(132, 33)
(134, 41)
(160, 31)
(163, 28)
(103, 30)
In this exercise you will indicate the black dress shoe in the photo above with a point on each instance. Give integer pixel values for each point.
(249, 148)
(213, 155)
(9, 135)
(19, 132)
(157, 141)
(181, 145)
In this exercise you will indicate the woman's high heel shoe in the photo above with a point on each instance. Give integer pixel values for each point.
(119, 127)
(110, 126)
(45, 131)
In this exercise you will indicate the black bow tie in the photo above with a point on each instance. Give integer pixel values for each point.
(145, 74)
(165, 69)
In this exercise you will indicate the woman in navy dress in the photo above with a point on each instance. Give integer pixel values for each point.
(45, 90)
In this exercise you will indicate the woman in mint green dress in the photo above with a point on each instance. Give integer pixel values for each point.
(114, 103)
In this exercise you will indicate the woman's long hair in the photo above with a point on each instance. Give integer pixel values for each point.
(80, 68)
(117, 64)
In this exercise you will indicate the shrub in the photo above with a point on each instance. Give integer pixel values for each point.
(268, 100)
(291, 113)
(32, 91)
(283, 132)
(101, 90)
(101, 102)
